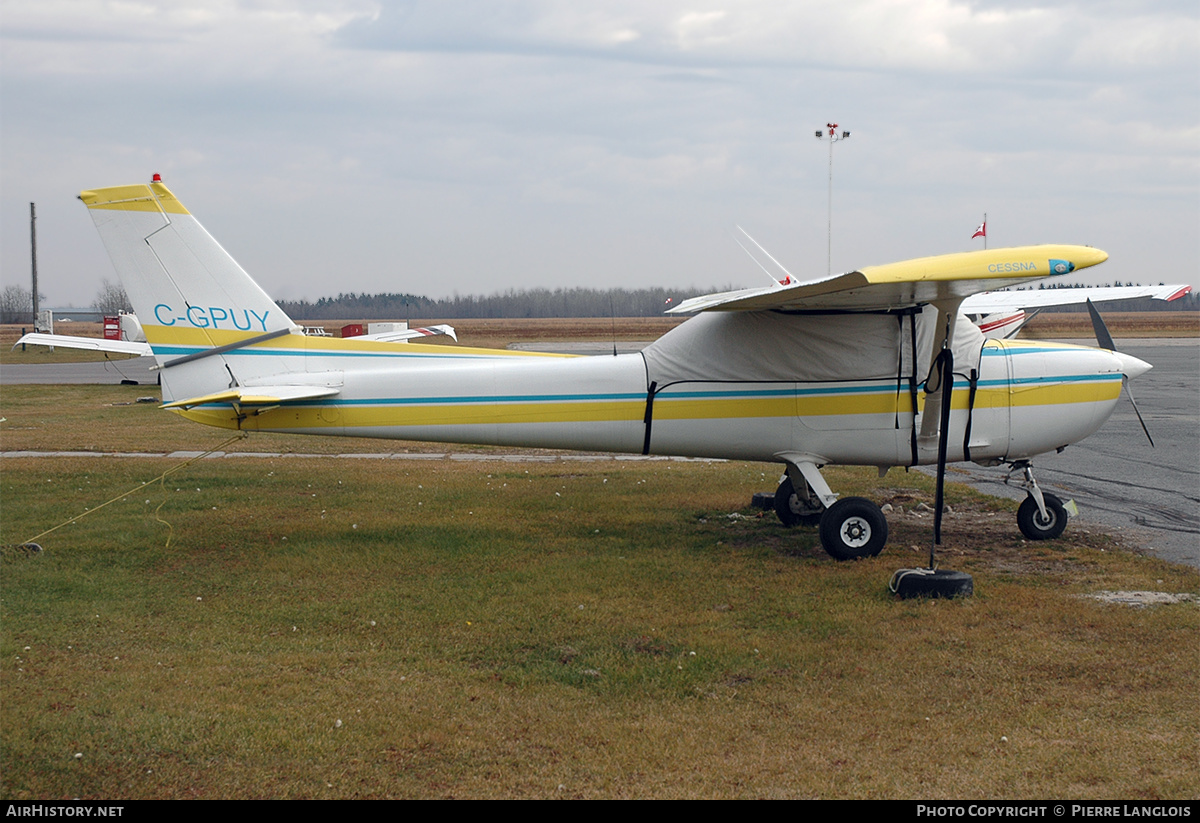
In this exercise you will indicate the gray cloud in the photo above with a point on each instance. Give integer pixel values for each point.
(439, 147)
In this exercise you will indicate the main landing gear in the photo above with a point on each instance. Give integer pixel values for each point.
(850, 529)
(794, 508)
(853, 528)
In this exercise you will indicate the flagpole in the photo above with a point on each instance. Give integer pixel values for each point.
(982, 231)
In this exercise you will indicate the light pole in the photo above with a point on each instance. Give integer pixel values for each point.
(33, 256)
(834, 137)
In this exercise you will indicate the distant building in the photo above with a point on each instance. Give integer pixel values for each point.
(76, 315)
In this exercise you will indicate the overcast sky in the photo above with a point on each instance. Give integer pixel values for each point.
(476, 146)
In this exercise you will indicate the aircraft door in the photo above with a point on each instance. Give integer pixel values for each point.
(989, 409)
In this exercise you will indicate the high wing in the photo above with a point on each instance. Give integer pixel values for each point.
(997, 301)
(88, 343)
(945, 278)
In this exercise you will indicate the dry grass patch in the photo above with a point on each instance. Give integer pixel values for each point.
(1121, 324)
(329, 628)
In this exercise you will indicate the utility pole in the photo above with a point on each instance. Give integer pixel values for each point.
(33, 245)
(834, 137)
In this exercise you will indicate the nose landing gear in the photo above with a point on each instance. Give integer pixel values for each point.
(1041, 516)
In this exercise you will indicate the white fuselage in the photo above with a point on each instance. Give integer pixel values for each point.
(1028, 398)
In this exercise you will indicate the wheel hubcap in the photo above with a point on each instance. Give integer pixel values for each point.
(856, 532)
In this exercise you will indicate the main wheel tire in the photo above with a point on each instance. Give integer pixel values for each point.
(1036, 527)
(853, 528)
(791, 508)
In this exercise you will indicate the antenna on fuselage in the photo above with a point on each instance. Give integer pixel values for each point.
(612, 311)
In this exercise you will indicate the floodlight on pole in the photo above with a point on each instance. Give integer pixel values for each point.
(830, 132)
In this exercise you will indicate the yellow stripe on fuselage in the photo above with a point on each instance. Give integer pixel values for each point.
(1063, 394)
(462, 414)
(350, 417)
(299, 344)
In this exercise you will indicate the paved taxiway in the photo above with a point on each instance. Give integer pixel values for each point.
(1114, 476)
(99, 371)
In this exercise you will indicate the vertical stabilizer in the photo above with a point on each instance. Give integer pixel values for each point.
(190, 296)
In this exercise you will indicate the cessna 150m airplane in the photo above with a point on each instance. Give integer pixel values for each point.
(876, 367)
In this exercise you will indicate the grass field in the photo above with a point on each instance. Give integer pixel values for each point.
(306, 627)
(1120, 324)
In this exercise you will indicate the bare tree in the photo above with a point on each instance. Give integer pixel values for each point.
(112, 299)
(16, 305)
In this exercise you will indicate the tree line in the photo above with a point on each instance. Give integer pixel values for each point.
(578, 302)
(16, 303)
(540, 302)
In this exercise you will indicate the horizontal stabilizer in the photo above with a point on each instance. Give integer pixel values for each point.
(256, 396)
(86, 343)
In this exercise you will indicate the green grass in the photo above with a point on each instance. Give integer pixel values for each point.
(560, 630)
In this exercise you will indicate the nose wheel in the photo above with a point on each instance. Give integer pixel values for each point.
(1037, 526)
(1041, 516)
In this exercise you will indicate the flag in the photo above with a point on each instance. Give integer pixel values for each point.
(981, 231)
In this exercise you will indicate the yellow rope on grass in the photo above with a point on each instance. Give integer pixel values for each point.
(161, 478)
